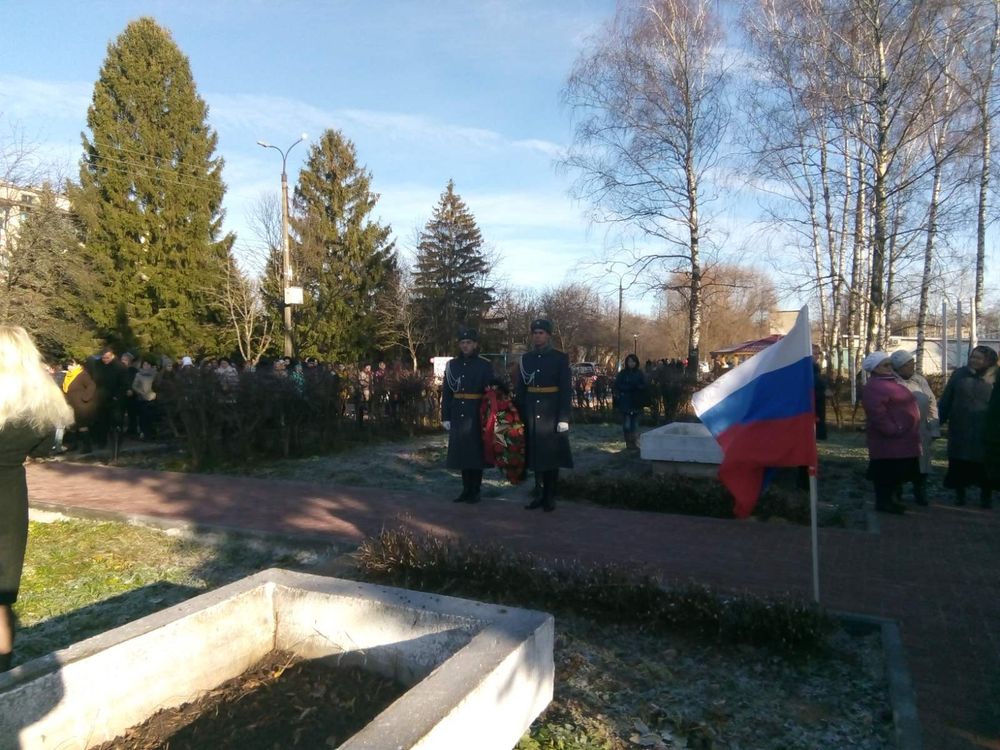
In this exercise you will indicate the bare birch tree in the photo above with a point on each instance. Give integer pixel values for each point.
(400, 322)
(980, 58)
(650, 103)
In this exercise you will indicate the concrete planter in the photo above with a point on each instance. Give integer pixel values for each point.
(480, 673)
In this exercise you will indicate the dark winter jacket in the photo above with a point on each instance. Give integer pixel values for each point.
(991, 436)
(630, 390)
(17, 442)
(465, 379)
(963, 407)
(544, 396)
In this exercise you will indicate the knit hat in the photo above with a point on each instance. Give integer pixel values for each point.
(900, 357)
(186, 361)
(873, 360)
(541, 324)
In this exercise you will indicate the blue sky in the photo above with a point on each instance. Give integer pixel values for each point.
(427, 90)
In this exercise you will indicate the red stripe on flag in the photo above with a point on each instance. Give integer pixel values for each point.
(749, 449)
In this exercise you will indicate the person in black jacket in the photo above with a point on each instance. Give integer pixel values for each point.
(32, 408)
(465, 379)
(630, 396)
(111, 378)
(543, 394)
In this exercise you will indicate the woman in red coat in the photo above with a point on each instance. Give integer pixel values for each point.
(893, 432)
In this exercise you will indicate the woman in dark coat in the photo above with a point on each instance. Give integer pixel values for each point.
(31, 408)
(991, 437)
(543, 394)
(465, 379)
(963, 408)
(630, 395)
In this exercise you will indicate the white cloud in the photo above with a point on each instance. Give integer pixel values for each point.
(27, 99)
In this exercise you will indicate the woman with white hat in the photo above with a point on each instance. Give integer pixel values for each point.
(905, 368)
(892, 433)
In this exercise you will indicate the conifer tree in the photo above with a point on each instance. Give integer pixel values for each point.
(150, 198)
(343, 260)
(450, 279)
(45, 283)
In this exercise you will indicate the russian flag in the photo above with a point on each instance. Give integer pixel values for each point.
(762, 414)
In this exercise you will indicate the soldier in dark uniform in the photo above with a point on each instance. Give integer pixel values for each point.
(543, 394)
(465, 378)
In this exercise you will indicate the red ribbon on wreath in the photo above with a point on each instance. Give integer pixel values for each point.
(503, 434)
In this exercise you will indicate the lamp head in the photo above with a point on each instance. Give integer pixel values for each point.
(264, 144)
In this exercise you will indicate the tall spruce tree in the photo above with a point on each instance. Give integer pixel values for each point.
(343, 260)
(451, 275)
(150, 198)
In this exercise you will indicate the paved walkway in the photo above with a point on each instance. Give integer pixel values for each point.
(936, 571)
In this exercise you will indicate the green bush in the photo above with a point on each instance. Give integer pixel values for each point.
(678, 494)
(266, 416)
(604, 593)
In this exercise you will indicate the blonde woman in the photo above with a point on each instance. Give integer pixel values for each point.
(31, 409)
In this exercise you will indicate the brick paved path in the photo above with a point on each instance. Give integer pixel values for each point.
(936, 571)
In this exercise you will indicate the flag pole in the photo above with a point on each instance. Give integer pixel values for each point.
(813, 494)
(815, 535)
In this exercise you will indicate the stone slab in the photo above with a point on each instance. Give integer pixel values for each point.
(681, 447)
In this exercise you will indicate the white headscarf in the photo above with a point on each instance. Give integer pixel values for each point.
(873, 360)
(900, 357)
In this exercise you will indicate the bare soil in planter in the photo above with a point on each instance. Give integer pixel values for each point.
(281, 702)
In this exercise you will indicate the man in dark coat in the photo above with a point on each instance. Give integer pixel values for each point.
(110, 376)
(543, 394)
(465, 379)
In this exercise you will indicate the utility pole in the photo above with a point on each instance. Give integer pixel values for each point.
(286, 262)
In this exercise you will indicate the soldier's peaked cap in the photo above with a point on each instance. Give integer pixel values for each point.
(468, 333)
(541, 324)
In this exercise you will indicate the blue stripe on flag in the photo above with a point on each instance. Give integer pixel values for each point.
(778, 394)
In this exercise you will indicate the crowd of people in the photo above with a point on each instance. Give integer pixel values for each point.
(903, 418)
(111, 393)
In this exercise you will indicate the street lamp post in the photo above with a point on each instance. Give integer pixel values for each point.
(618, 362)
(635, 344)
(610, 268)
(286, 264)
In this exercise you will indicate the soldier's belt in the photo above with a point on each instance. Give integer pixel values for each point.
(543, 389)
(469, 396)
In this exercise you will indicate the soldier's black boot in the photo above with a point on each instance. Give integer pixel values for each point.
(5, 661)
(465, 489)
(537, 494)
(920, 490)
(549, 480)
(960, 496)
(986, 498)
(475, 484)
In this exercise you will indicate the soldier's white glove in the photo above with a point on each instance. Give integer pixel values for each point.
(562, 427)
(446, 425)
